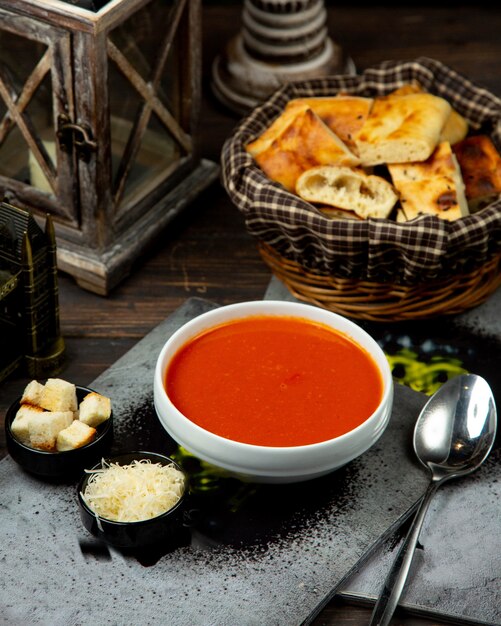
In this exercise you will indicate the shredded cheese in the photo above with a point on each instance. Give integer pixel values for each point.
(134, 492)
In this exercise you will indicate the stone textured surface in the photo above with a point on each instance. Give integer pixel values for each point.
(273, 559)
(457, 573)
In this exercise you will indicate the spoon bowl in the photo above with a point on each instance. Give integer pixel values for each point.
(453, 436)
(456, 428)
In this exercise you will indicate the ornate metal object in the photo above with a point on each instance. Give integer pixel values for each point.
(29, 301)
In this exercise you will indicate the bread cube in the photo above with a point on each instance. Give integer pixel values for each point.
(94, 409)
(20, 426)
(45, 429)
(76, 435)
(59, 395)
(32, 393)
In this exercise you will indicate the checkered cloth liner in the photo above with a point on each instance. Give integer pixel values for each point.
(373, 249)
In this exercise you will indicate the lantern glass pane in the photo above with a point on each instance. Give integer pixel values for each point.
(26, 119)
(146, 130)
(42, 120)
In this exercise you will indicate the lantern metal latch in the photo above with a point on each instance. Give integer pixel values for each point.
(74, 135)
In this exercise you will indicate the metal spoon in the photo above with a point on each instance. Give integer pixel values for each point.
(453, 436)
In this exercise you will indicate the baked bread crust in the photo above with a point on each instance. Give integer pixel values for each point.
(434, 186)
(431, 196)
(307, 142)
(402, 129)
(455, 128)
(344, 115)
(410, 131)
(480, 164)
(442, 162)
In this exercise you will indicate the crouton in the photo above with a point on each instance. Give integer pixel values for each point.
(32, 393)
(20, 426)
(94, 409)
(59, 395)
(76, 435)
(45, 429)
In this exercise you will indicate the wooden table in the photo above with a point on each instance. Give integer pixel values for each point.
(207, 251)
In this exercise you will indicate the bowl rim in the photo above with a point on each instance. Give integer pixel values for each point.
(161, 367)
(102, 430)
(135, 454)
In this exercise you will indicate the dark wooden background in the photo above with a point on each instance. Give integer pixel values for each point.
(207, 251)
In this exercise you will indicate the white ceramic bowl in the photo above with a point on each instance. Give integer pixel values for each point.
(263, 463)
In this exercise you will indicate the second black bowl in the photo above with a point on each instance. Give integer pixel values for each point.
(155, 531)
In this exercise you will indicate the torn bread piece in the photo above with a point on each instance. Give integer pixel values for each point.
(480, 164)
(21, 423)
(59, 395)
(346, 188)
(305, 143)
(442, 162)
(455, 128)
(279, 125)
(45, 429)
(344, 115)
(32, 393)
(76, 435)
(94, 409)
(434, 186)
(402, 129)
(438, 196)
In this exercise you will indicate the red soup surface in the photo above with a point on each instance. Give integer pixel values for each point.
(274, 381)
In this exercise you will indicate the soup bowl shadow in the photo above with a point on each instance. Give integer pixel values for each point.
(272, 464)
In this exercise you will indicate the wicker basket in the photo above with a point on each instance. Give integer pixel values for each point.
(374, 269)
(378, 301)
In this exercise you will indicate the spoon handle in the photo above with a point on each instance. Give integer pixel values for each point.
(396, 577)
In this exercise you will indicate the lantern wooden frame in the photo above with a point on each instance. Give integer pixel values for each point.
(99, 230)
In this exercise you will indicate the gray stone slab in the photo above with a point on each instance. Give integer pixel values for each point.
(274, 557)
(457, 570)
(457, 573)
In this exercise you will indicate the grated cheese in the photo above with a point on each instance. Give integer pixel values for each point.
(134, 492)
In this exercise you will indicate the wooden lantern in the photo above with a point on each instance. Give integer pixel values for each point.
(98, 115)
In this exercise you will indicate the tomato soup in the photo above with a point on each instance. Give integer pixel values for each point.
(274, 381)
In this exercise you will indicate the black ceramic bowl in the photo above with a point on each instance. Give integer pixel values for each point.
(156, 531)
(59, 465)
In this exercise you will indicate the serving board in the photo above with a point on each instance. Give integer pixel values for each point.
(254, 555)
(456, 574)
